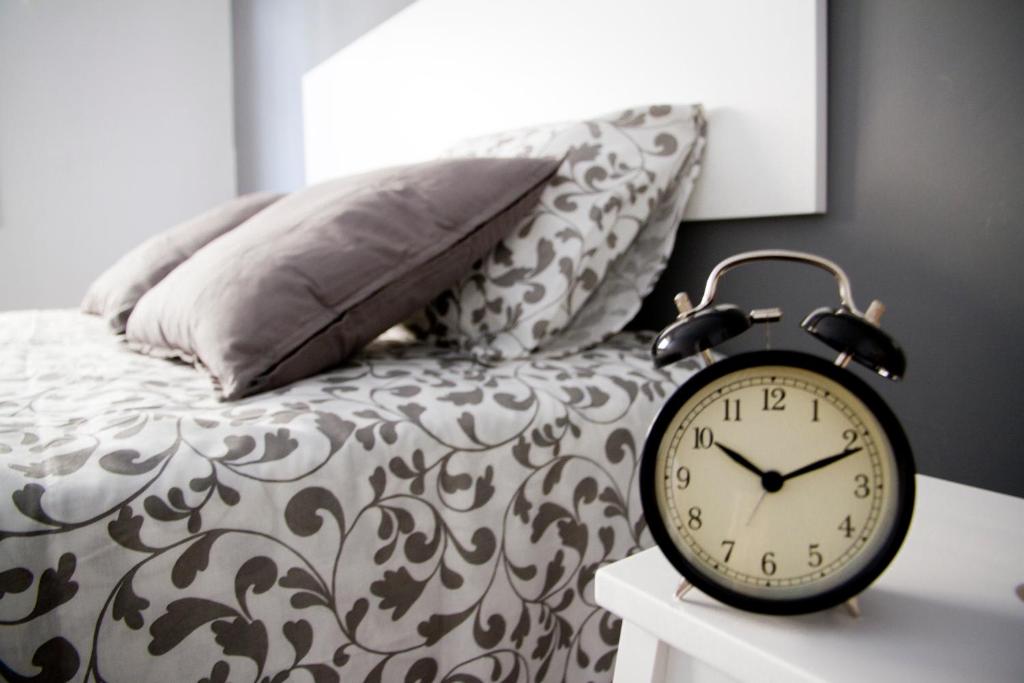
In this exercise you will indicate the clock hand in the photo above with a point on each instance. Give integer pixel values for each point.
(756, 506)
(740, 459)
(818, 464)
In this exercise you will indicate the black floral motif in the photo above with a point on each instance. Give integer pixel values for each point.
(412, 516)
(56, 660)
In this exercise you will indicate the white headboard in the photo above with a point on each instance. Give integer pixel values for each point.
(442, 70)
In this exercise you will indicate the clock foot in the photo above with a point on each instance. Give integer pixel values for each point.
(683, 588)
(852, 607)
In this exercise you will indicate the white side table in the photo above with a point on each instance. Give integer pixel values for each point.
(949, 608)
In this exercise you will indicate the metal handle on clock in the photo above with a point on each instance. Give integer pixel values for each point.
(711, 288)
(854, 334)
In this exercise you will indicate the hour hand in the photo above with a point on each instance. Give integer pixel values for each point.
(740, 459)
(824, 462)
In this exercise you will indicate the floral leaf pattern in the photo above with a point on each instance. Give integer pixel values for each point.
(413, 515)
(577, 269)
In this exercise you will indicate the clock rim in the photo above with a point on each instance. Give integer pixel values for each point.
(905, 471)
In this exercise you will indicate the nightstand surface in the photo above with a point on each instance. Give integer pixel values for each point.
(946, 609)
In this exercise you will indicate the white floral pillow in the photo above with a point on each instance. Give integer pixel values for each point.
(576, 270)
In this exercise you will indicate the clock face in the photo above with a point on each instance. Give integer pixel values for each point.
(777, 482)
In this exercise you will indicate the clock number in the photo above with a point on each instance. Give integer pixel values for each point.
(814, 410)
(683, 477)
(773, 399)
(732, 410)
(846, 527)
(695, 520)
(728, 552)
(862, 489)
(703, 437)
(851, 437)
(768, 564)
(814, 558)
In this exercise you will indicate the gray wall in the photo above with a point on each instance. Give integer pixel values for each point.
(926, 112)
(926, 212)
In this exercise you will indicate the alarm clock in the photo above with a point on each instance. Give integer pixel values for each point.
(777, 481)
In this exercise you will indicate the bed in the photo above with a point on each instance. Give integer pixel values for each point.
(413, 515)
(434, 507)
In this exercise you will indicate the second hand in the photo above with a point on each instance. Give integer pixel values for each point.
(754, 511)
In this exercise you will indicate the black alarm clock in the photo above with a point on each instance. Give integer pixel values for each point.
(777, 481)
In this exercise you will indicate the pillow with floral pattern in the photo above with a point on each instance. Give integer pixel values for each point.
(576, 269)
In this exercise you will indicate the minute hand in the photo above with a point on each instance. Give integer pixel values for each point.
(818, 464)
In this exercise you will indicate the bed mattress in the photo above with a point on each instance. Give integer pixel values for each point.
(410, 516)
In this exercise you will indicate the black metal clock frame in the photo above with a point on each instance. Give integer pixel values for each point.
(699, 577)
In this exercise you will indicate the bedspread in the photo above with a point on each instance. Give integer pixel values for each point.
(410, 516)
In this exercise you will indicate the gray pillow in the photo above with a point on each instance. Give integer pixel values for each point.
(114, 293)
(316, 276)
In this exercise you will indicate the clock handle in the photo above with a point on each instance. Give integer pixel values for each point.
(854, 334)
(711, 288)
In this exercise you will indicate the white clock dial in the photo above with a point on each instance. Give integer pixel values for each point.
(776, 482)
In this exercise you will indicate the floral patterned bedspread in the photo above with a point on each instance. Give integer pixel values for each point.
(411, 516)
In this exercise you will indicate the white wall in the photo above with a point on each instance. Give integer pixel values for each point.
(116, 121)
